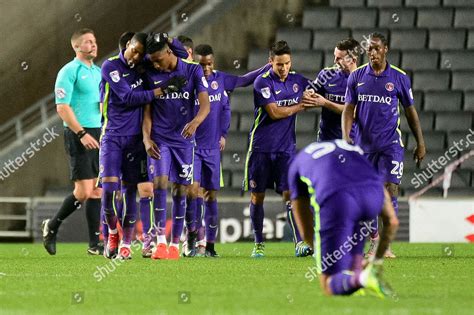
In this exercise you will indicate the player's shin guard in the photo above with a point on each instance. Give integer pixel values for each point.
(199, 217)
(179, 209)
(291, 220)
(210, 218)
(344, 283)
(159, 210)
(129, 214)
(93, 220)
(257, 216)
(109, 192)
(146, 215)
(69, 205)
(191, 214)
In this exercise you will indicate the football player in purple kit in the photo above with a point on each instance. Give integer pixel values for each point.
(330, 86)
(334, 192)
(168, 133)
(373, 94)
(278, 97)
(210, 140)
(122, 153)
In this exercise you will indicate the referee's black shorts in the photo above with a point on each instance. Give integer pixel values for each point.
(83, 163)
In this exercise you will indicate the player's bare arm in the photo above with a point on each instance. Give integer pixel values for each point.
(279, 112)
(414, 123)
(347, 120)
(67, 115)
(204, 109)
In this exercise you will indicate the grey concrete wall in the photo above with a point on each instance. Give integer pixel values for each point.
(36, 40)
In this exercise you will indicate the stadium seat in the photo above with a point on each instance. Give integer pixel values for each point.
(241, 101)
(237, 141)
(459, 179)
(408, 175)
(234, 121)
(305, 138)
(397, 17)
(347, 3)
(464, 18)
(321, 17)
(423, 3)
(431, 80)
(469, 101)
(468, 165)
(420, 59)
(246, 121)
(329, 58)
(458, 60)
(306, 60)
(435, 17)
(463, 80)
(306, 122)
(408, 39)
(453, 121)
(226, 177)
(355, 17)
(458, 3)
(233, 160)
(297, 38)
(384, 3)
(443, 101)
(434, 140)
(257, 58)
(460, 192)
(457, 139)
(410, 163)
(470, 39)
(237, 178)
(327, 39)
(447, 38)
(426, 121)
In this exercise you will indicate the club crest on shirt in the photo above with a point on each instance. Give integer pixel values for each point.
(101, 168)
(265, 92)
(152, 169)
(389, 86)
(253, 184)
(60, 93)
(115, 76)
(214, 85)
(296, 88)
(204, 82)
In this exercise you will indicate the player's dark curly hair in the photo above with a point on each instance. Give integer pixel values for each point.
(280, 48)
(155, 42)
(350, 45)
(379, 36)
(186, 41)
(124, 38)
(204, 50)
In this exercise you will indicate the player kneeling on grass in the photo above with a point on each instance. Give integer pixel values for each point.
(333, 181)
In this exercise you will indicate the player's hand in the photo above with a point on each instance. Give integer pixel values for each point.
(190, 129)
(348, 140)
(419, 154)
(314, 100)
(89, 142)
(175, 84)
(152, 149)
(222, 144)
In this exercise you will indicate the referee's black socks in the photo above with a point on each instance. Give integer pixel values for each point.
(70, 204)
(93, 220)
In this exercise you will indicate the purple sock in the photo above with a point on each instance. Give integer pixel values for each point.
(395, 204)
(211, 221)
(118, 203)
(191, 214)
(179, 210)
(146, 214)
(159, 206)
(344, 283)
(199, 216)
(105, 227)
(257, 216)
(291, 219)
(109, 192)
(129, 213)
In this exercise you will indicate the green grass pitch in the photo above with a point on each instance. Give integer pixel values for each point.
(427, 278)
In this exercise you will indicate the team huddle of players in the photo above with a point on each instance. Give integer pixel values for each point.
(166, 117)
